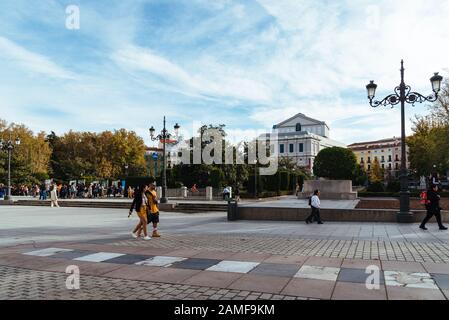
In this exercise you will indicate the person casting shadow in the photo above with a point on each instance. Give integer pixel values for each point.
(433, 208)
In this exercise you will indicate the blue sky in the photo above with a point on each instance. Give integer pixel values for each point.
(248, 64)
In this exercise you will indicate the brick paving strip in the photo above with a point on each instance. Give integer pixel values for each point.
(24, 284)
(415, 251)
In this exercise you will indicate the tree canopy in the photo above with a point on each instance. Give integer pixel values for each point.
(335, 163)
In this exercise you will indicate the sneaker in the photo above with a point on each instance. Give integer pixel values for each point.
(156, 234)
(443, 228)
(422, 227)
(135, 236)
(147, 238)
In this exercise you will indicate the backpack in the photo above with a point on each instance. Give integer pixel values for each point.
(424, 199)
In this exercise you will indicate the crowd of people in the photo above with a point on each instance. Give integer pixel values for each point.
(68, 191)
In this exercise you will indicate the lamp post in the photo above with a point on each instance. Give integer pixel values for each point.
(255, 179)
(8, 146)
(164, 135)
(403, 94)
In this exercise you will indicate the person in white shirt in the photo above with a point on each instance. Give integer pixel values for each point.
(315, 205)
(54, 197)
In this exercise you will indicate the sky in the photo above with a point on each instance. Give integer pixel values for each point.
(247, 64)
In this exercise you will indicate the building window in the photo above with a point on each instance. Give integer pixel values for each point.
(298, 127)
(383, 166)
(291, 148)
(281, 148)
(369, 160)
(383, 158)
(389, 158)
(397, 158)
(361, 160)
(369, 167)
(389, 166)
(397, 166)
(301, 147)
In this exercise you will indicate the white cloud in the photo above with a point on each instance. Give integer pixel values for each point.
(30, 61)
(209, 78)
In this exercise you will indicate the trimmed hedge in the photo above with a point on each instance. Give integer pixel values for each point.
(414, 194)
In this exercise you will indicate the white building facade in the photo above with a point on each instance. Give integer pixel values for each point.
(301, 138)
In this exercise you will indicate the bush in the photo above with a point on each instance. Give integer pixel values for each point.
(216, 178)
(376, 187)
(284, 180)
(393, 186)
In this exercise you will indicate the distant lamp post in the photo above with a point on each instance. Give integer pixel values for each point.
(8, 146)
(403, 94)
(126, 170)
(164, 136)
(255, 179)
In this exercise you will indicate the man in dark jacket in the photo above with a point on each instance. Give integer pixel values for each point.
(433, 208)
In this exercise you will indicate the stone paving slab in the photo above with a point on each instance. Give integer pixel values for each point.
(318, 273)
(213, 279)
(319, 289)
(398, 293)
(356, 276)
(196, 264)
(131, 272)
(276, 269)
(356, 291)
(255, 282)
(403, 266)
(441, 268)
(442, 280)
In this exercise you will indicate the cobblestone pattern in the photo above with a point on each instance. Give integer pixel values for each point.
(24, 284)
(350, 249)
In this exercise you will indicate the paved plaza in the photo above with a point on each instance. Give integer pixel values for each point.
(203, 256)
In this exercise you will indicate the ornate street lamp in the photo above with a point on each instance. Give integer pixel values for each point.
(8, 146)
(164, 136)
(403, 94)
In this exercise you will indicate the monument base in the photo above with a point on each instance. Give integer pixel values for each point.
(329, 189)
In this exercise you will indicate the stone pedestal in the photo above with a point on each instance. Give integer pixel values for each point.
(184, 192)
(329, 189)
(209, 194)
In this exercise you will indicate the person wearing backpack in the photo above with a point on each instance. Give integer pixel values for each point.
(432, 203)
(315, 204)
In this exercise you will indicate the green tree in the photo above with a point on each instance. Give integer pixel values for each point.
(335, 163)
(376, 173)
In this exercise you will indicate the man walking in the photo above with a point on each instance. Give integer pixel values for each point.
(316, 205)
(433, 208)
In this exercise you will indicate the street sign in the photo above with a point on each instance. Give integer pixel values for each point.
(154, 156)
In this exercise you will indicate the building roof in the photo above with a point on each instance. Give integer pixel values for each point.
(384, 143)
(302, 116)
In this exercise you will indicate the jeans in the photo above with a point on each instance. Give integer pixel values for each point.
(315, 215)
(430, 214)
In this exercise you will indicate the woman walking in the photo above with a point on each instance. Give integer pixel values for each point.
(54, 197)
(140, 205)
